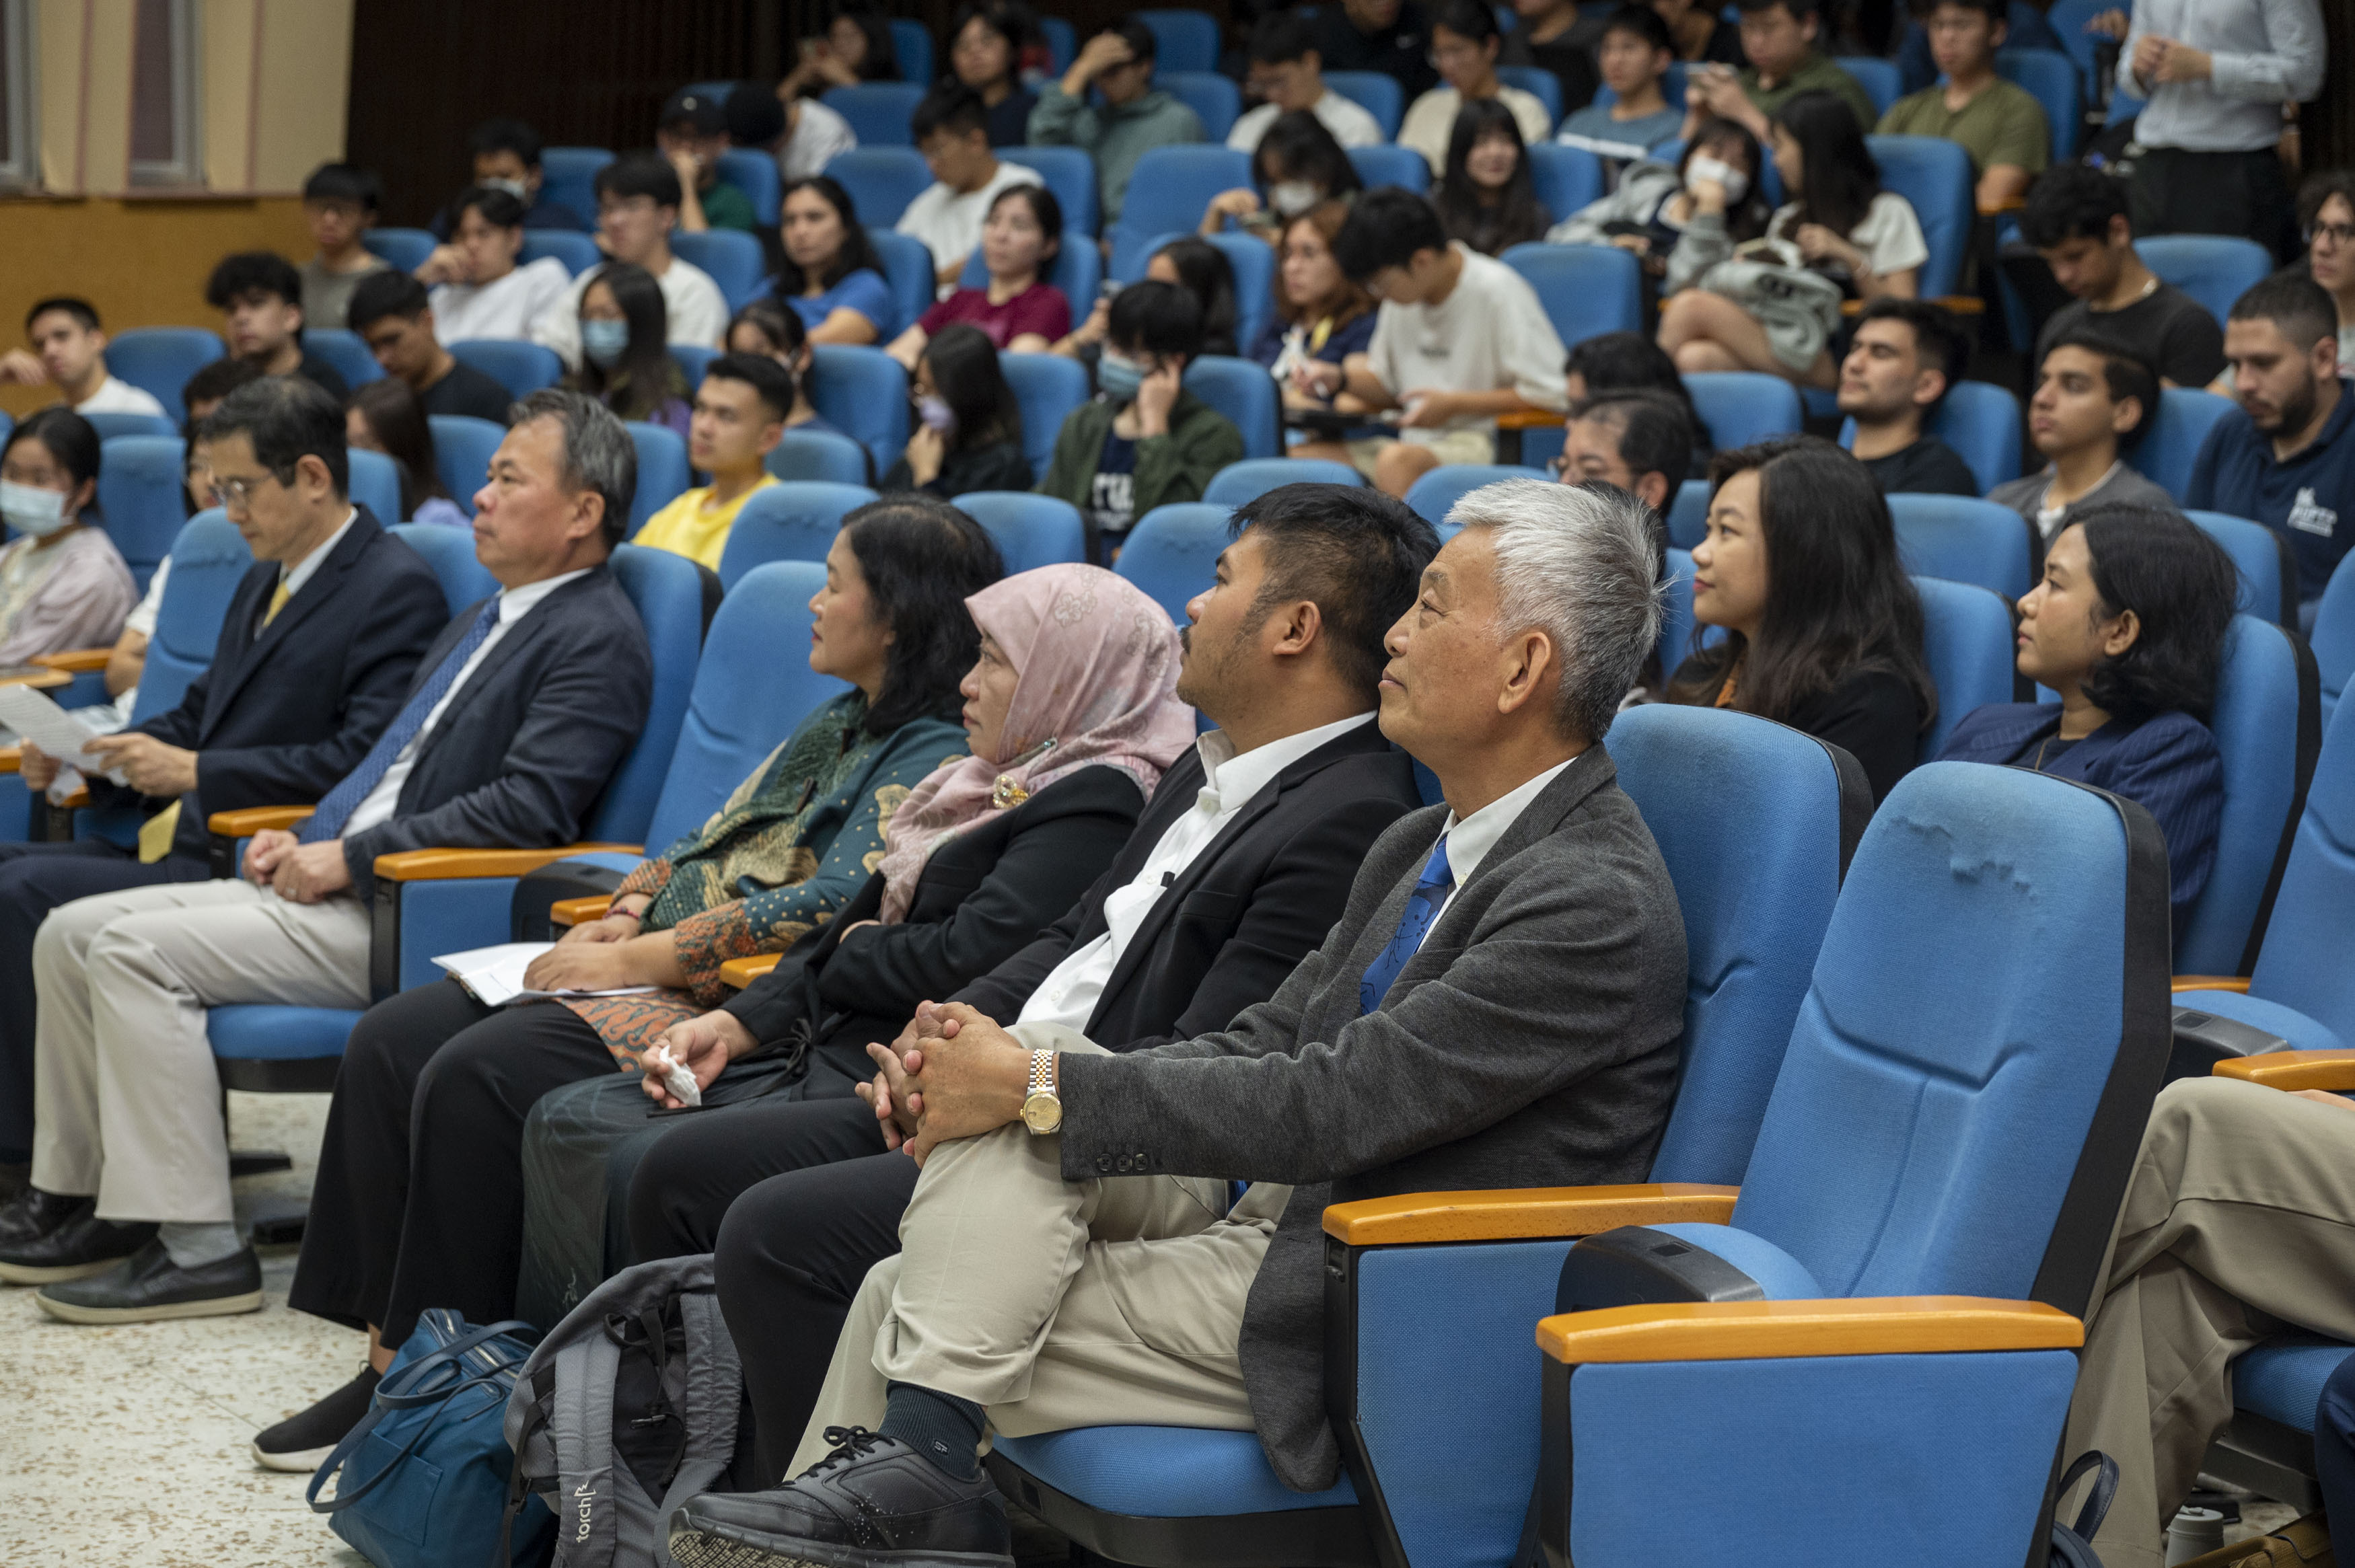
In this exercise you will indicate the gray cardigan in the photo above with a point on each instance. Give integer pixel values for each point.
(1533, 1041)
(1642, 188)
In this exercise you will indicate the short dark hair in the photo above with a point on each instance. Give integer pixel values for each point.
(2302, 308)
(2070, 201)
(1143, 41)
(1655, 432)
(1355, 552)
(755, 118)
(597, 453)
(638, 175)
(213, 382)
(2125, 372)
(345, 182)
(505, 135)
(763, 375)
(1997, 12)
(1938, 344)
(1800, 9)
(389, 291)
(923, 558)
(249, 272)
(1387, 227)
(2182, 588)
(1645, 23)
(500, 210)
(2316, 194)
(1281, 38)
(1159, 318)
(287, 418)
(84, 313)
(1467, 19)
(950, 106)
(1632, 361)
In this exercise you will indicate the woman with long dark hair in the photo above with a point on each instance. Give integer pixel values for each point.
(2128, 627)
(62, 582)
(1822, 629)
(856, 47)
(1464, 41)
(968, 432)
(1678, 219)
(1486, 197)
(1321, 318)
(986, 45)
(831, 277)
(384, 416)
(1297, 165)
(626, 360)
(419, 1200)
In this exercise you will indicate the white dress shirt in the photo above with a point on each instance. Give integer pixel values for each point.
(2264, 53)
(1069, 992)
(115, 396)
(291, 578)
(503, 308)
(514, 604)
(1470, 840)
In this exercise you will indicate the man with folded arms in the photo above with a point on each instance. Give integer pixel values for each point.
(1500, 1005)
(519, 711)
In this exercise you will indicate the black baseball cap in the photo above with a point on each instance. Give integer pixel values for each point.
(701, 112)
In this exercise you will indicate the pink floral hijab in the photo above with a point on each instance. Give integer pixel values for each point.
(1095, 667)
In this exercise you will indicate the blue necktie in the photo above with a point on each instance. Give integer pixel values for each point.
(1414, 923)
(327, 821)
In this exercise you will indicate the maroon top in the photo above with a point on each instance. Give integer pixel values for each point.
(1040, 308)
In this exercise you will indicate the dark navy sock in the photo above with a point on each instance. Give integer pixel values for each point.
(941, 1426)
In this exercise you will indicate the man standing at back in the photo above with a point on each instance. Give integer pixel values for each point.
(519, 711)
(69, 352)
(1500, 1005)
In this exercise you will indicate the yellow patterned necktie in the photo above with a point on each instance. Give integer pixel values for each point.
(277, 602)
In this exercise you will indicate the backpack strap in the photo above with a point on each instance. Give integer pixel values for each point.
(581, 1429)
(715, 1379)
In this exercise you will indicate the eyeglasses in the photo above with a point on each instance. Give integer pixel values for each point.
(236, 492)
(2336, 233)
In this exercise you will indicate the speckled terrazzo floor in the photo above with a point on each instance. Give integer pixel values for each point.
(127, 1447)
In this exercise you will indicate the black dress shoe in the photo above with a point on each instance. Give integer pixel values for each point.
(874, 1502)
(83, 1244)
(148, 1288)
(33, 1213)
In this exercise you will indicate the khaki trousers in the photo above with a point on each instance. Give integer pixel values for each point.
(1055, 1304)
(2239, 1221)
(126, 1100)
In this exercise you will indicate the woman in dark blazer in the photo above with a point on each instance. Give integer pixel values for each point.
(2128, 626)
(1823, 630)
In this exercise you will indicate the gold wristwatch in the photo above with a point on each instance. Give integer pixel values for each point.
(1042, 1109)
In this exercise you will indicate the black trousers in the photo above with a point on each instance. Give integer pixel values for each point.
(419, 1199)
(799, 1200)
(35, 879)
(2175, 191)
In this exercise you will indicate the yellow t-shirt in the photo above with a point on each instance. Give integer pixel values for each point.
(689, 526)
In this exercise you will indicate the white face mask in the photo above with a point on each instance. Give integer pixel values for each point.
(515, 189)
(28, 509)
(1704, 167)
(1290, 198)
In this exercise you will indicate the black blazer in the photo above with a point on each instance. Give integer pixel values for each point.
(1257, 900)
(527, 745)
(278, 717)
(1871, 715)
(982, 896)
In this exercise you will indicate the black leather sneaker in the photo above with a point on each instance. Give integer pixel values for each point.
(874, 1502)
(148, 1287)
(33, 1213)
(83, 1244)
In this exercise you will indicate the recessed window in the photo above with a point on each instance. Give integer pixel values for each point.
(164, 121)
(18, 165)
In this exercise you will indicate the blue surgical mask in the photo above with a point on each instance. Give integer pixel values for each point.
(934, 412)
(604, 341)
(1119, 377)
(30, 509)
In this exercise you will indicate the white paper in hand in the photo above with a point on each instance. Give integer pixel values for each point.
(36, 718)
(494, 974)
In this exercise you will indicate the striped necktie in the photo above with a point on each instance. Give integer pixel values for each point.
(1414, 923)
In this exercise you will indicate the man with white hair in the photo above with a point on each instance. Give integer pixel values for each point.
(1500, 1005)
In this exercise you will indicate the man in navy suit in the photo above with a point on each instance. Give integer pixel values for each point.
(314, 655)
(520, 711)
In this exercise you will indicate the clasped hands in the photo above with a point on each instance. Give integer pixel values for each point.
(952, 1073)
(296, 872)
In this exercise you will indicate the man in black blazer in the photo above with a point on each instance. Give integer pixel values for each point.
(519, 711)
(1499, 1004)
(314, 658)
(1239, 865)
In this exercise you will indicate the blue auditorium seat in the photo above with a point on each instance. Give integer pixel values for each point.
(1586, 289)
(140, 498)
(1878, 77)
(795, 521)
(1254, 477)
(1688, 516)
(1934, 175)
(1542, 83)
(1963, 540)
(908, 268)
(1388, 163)
(755, 173)
(109, 426)
(159, 360)
(568, 178)
(343, 349)
(863, 393)
(1981, 421)
(463, 449)
(1242, 390)
(1168, 193)
(1214, 99)
(2213, 268)
(663, 472)
(1030, 530)
(2268, 574)
(2050, 78)
(1254, 263)
(879, 112)
(1742, 407)
(1070, 173)
(1183, 40)
(521, 367)
(1376, 92)
(1172, 552)
(2334, 637)
(819, 454)
(1966, 641)
(376, 484)
(911, 43)
(1433, 496)
(578, 252)
(450, 552)
(2171, 442)
(732, 257)
(881, 181)
(693, 359)
(1049, 386)
(405, 249)
(1567, 178)
(1062, 44)
(1675, 641)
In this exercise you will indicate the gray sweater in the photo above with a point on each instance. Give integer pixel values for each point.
(2124, 485)
(1642, 189)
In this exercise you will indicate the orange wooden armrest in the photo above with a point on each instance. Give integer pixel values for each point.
(76, 801)
(2209, 982)
(2009, 204)
(741, 972)
(445, 864)
(76, 660)
(41, 679)
(1520, 1213)
(1960, 304)
(578, 911)
(1531, 419)
(12, 758)
(1865, 1325)
(252, 820)
(2332, 1070)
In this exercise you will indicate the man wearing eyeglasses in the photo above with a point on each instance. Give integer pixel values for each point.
(317, 649)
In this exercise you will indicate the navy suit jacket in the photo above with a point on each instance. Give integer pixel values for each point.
(2167, 765)
(527, 745)
(281, 715)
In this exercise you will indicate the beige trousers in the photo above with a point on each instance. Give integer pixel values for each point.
(126, 1101)
(2239, 1220)
(1055, 1304)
